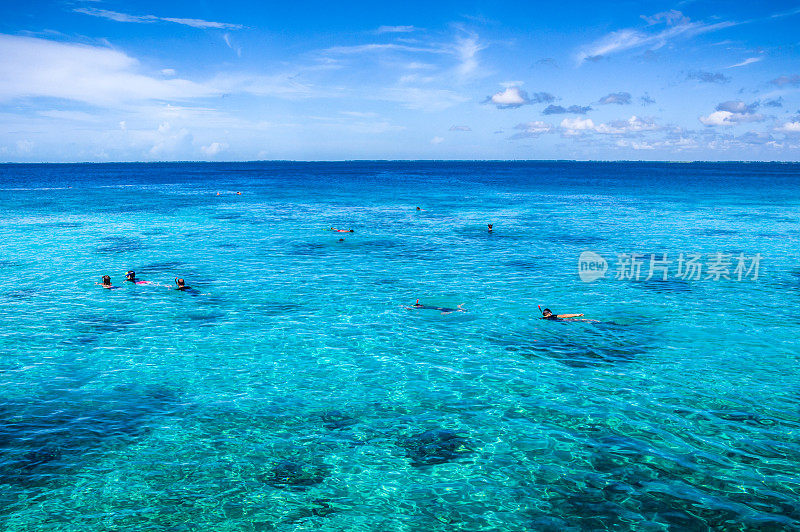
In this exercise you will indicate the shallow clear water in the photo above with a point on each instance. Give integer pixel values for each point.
(292, 390)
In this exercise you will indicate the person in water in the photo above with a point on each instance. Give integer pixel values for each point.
(443, 310)
(181, 284)
(106, 282)
(342, 230)
(548, 315)
(490, 227)
(130, 277)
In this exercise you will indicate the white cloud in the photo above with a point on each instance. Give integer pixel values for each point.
(395, 29)
(466, 49)
(437, 140)
(576, 126)
(213, 149)
(24, 146)
(509, 98)
(532, 129)
(237, 49)
(629, 39)
(789, 127)
(718, 118)
(748, 61)
(170, 142)
(203, 24)
(124, 17)
(31, 67)
(168, 72)
(634, 124)
(730, 114)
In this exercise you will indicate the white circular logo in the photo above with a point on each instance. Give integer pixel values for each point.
(591, 266)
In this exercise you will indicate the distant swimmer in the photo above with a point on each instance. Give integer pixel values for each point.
(490, 227)
(342, 230)
(341, 240)
(547, 314)
(130, 277)
(420, 209)
(181, 284)
(443, 310)
(106, 282)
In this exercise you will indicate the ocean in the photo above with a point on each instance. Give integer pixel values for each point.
(295, 387)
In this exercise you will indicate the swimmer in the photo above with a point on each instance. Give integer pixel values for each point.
(490, 227)
(106, 282)
(443, 310)
(239, 193)
(130, 277)
(547, 314)
(342, 230)
(181, 284)
(341, 240)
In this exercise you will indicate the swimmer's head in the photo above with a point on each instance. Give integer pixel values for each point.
(419, 209)
(490, 226)
(180, 282)
(107, 280)
(341, 240)
(546, 312)
(131, 275)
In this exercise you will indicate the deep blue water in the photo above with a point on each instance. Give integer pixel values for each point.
(291, 389)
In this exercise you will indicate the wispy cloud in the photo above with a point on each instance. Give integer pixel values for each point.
(91, 74)
(619, 98)
(677, 26)
(237, 49)
(782, 81)
(396, 29)
(707, 77)
(460, 128)
(125, 17)
(466, 50)
(532, 130)
(572, 109)
(748, 61)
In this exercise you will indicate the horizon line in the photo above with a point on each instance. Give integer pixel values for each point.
(671, 161)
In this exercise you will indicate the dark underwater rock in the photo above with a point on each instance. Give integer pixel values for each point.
(336, 419)
(296, 476)
(435, 446)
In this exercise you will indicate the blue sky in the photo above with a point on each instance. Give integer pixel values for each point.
(116, 80)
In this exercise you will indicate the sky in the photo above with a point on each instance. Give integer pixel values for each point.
(116, 80)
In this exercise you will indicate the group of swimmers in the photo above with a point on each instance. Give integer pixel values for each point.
(547, 314)
(130, 277)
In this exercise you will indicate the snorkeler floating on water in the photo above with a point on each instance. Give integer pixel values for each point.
(490, 227)
(547, 314)
(443, 310)
(181, 284)
(342, 230)
(130, 277)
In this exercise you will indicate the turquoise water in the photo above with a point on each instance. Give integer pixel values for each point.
(292, 390)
